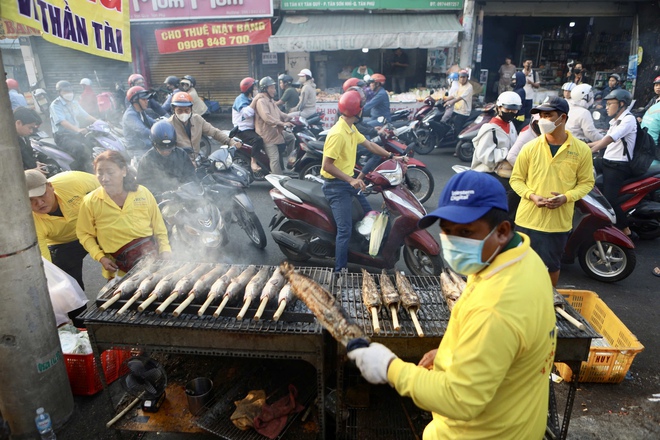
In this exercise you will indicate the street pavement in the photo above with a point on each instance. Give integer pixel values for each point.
(601, 411)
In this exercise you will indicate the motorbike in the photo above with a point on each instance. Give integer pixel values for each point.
(304, 226)
(432, 133)
(418, 179)
(102, 136)
(465, 148)
(603, 251)
(45, 151)
(399, 120)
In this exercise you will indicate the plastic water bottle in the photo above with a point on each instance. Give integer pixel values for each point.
(44, 425)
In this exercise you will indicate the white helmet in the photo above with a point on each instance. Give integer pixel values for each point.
(509, 100)
(568, 86)
(85, 82)
(582, 95)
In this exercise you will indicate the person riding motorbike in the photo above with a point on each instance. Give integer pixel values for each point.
(88, 99)
(290, 98)
(136, 79)
(379, 105)
(461, 101)
(27, 122)
(190, 126)
(172, 84)
(66, 117)
(242, 116)
(307, 105)
(137, 124)
(165, 167)
(187, 84)
(566, 89)
(269, 122)
(580, 122)
(656, 99)
(15, 96)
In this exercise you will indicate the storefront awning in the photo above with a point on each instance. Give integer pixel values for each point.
(315, 33)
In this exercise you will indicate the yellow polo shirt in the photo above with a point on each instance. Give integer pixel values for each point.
(341, 145)
(70, 189)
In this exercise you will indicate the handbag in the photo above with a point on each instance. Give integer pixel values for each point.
(129, 254)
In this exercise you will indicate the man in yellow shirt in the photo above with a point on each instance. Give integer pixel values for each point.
(339, 153)
(550, 174)
(488, 379)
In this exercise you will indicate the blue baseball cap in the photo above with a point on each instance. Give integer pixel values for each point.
(552, 103)
(467, 197)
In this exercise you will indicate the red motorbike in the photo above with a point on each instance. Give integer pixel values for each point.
(304, 227)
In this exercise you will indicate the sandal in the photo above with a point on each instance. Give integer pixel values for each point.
(656, 271)
(255, 168)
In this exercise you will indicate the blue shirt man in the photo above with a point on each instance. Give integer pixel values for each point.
(379, 105)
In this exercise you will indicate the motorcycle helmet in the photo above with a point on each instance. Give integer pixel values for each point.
(656, 80)
(63, 85)
(350, 104)
(616, 76)
(377, 78)
(453, 76)
(191, 79)
(568, 86)
(247, 84)
(286, 79)
(351, 83)
(86, 82)
(12, 84)
(266, 82)
(137, 92)
(581, 93)
(463, 73)
(163, 135)
(620, 95)
(172, 81)
(509, 100)
(135, 78)
(182, 99)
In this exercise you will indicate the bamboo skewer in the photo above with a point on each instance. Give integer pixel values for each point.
(103, 307)
(413, 315)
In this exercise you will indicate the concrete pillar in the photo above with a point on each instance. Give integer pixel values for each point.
(467, 41)
(33, 373)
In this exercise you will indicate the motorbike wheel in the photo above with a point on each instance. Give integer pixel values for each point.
(252, 226)
(615, 265)
(465, 151)
(425, 141)
(205, 146)
(420, 182)
(422, 264)
(313, 168)
(292, 229)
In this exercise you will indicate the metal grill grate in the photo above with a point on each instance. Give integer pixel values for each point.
(433, 313)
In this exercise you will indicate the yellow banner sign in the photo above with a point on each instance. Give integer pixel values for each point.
(98, 27)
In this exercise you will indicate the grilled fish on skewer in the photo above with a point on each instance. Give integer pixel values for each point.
(183, 286)
(165, 285)
(283, 298)
(146, 286)
(450, 290)
(390, 298)
(127, 287)
(235, 287)
(253, 290)
(270, 290)
(323, 305)
(201, 288)
(371, 298)
(457, 279)
(409, 299)
(218, 288)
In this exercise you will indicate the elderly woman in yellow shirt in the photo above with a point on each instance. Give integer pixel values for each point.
(120, 222)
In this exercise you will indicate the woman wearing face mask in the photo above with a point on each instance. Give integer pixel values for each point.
(550, 174)
(190, 126)
(66, 119)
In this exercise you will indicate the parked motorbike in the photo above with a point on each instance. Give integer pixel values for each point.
(304, 226)
(465, 148)
(433, 133)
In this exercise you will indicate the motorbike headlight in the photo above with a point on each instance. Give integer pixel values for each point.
(190, 230)
(395, 176)
(479, 119)
(220, 166)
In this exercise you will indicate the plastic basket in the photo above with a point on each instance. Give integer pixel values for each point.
(605, 364)
(83, 374)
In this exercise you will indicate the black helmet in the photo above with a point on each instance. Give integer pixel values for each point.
(163, 135)
(61, 85)
(266, 82)
(286, 79)
(172, 81)
(620, 95)
(191, 79)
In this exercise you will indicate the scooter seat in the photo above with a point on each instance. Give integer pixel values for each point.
(316, 145)
(312, 192)
(653, 170)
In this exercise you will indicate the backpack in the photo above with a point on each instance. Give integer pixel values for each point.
(644, 153)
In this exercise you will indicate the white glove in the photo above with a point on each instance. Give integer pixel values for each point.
(373, 362)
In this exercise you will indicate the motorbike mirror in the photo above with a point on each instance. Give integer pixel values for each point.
(596, 116)
(381, 119)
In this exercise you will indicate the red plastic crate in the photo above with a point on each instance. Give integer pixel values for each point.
(83, 374)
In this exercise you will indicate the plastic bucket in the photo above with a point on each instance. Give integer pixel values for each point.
(198, 392)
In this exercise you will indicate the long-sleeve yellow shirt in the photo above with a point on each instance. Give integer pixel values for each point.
(536, 171)
(70, 188)
(490, 374)
(103, 227)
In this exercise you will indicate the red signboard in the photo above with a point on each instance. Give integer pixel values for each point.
(210, 35)
(11, 29)
(153, 10)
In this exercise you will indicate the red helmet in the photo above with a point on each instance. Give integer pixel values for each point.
(137, 92)
(12, 84)
(350, 104)
(351, 82)
(377, 77)
(182, 99)
(655, 81)
(247, 84)
(133, 78)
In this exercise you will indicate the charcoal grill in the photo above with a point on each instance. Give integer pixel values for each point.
(296, 335)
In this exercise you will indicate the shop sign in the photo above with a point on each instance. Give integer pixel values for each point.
(211, 35)
(268, 58)
(11, 29)
(371, 4)
(152, 10)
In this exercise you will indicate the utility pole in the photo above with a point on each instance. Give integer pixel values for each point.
(467, 43)
(31, 361)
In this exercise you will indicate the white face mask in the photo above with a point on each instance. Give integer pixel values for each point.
(183, 117)
(548, 126)
(68, 96)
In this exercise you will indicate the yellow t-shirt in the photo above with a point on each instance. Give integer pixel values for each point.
(341, 145)
(490, 374)
(70, 189)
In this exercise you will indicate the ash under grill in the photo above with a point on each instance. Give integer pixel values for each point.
(433, 313)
